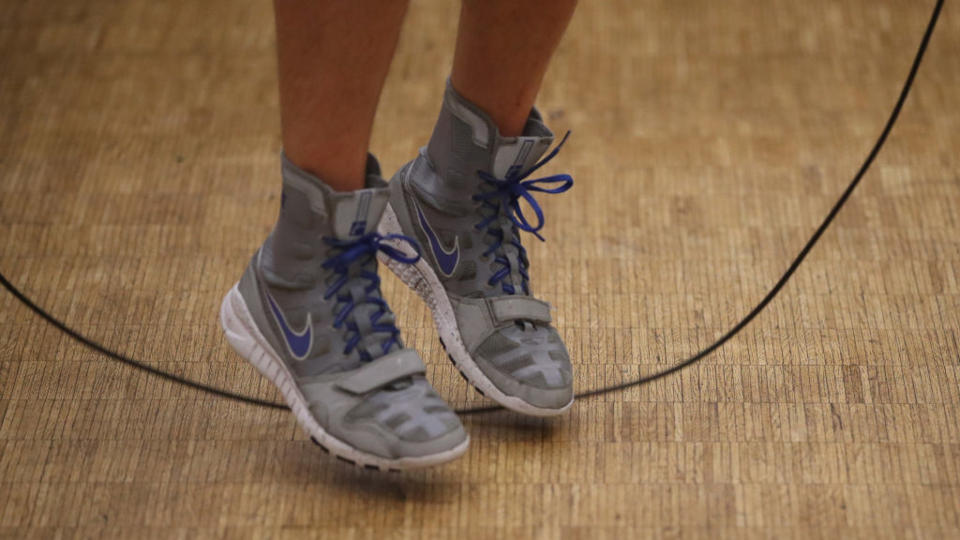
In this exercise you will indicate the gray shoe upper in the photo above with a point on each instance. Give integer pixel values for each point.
(476, 250)
(313, 292)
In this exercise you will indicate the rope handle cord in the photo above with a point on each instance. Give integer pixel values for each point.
(746, 320)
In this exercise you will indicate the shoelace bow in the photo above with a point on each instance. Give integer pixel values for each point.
(363, 250)
(506, 193)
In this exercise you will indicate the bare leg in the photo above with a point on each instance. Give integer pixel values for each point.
(503, 49)
(333, 59)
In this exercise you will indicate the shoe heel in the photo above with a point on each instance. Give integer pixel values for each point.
(240, 336)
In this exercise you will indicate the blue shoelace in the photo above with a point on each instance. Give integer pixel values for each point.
(506, 193)
(363, 250)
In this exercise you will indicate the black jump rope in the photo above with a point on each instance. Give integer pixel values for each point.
(597, 391)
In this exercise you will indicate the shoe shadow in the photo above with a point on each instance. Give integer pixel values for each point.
(436, 485)
(503, 424)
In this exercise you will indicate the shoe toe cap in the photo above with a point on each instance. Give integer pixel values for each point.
(412, 422)
(530, 363)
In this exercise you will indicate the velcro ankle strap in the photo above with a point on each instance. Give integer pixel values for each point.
(512, 308)
(383, 371)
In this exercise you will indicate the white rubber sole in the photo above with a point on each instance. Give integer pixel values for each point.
(246, 339)
(422, 279)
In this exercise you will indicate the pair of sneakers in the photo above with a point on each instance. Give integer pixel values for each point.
(309, 314)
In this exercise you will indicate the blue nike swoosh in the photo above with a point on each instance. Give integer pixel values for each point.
(446, 259)
(298, 342)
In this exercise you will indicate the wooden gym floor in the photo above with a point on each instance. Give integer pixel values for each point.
(139, 164)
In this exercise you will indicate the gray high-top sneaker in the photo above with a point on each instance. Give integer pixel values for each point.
(459, 198)
(309, 315)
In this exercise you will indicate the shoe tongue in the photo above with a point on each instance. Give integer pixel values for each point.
(516, 154)
(354, 214)
(465, 140)
(342, 214)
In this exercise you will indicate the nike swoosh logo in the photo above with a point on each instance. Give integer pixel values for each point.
(298, 342)
(447, 259)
